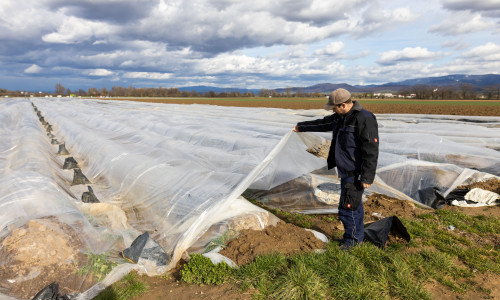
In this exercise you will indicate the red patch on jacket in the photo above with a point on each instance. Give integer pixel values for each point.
(375, 140)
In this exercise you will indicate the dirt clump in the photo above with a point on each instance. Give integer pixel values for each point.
(38, 253)
(378, 206)
(283, 238)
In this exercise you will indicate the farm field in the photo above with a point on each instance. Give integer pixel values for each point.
(378, 106)
(143, 160)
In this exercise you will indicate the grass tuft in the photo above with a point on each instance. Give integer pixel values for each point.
(201, 270)
(127, 288)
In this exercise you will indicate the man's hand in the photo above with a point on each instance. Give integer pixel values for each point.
(296, 129)
(366, 185)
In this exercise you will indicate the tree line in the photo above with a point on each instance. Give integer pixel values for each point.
(462, 91)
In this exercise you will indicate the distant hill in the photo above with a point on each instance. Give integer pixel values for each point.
(452, 80)
(205, 89)
(477, 81)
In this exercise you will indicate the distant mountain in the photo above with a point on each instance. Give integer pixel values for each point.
(478, 81)
(452, 80)
(205, 89)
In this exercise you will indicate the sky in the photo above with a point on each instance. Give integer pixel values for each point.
(242, 44)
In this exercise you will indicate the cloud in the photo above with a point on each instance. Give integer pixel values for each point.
(489, 52)
(74, 30)
(332, 49)
(457, 45)
(375, 19)
(33, 69)
(147, 75)
(113, 11)
(462, 23)
(407, 55)
(475, 5)
(98, 72)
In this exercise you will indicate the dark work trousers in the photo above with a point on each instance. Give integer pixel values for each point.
(351, 219)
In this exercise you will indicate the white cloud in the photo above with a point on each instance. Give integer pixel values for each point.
(407, 54)
(457, 45)
(267, 66)
(489, 52)
(33, 69)
(75, 30)
(462, 23)
(474, 5)
(332, 49)
(376, 19)
(147, 75)
(98, 72)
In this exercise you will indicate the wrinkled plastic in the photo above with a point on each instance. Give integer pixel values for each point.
(178, 171)
(164, 169)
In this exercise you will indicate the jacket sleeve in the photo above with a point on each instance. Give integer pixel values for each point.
(368, 135)
(319, 125)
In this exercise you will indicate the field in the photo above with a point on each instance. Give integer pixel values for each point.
(381, 106)
(431, 283)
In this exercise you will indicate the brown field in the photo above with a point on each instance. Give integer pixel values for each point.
(377, 106)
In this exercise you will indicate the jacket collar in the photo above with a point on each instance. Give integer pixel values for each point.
(356, 106)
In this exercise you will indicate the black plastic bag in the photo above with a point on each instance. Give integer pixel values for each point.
(89, 197)
(145, 248)
(378, 232)
(70, 163)
(50, 292)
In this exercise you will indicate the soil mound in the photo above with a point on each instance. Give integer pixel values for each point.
(283, 238)
(39, 253)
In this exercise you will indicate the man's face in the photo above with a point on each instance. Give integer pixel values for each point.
(341, 109)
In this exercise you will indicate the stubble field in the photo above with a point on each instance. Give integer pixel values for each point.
(377, 106)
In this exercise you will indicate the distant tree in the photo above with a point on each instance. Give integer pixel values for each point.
(92, 92)
(300, 92)
(466, 91)
(104, 91)
(59, 89)
(210, 94)
(422, 91)
(264, 93)
(492, 92)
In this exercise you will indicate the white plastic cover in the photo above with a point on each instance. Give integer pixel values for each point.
(177, 171)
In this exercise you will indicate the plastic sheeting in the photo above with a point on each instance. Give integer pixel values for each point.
(177, 171)
(174, 171)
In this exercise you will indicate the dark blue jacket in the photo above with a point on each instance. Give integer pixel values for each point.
(354, 148)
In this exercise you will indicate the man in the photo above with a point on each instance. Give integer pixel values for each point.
(354, 151)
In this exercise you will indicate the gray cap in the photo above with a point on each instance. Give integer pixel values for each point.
(337, 97)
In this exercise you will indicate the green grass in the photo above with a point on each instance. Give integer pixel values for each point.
(367, 272)
(98, 265)
(435, 254)
(201, 270)
(127, 288)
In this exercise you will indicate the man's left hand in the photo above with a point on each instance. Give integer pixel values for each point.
(366, 185)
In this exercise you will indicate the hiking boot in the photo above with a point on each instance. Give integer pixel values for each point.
(346, 247)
